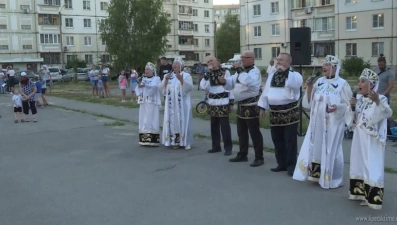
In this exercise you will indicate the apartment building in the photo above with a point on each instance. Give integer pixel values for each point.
(192, 29)
(220, 12)
(37, 32)
(339, 27)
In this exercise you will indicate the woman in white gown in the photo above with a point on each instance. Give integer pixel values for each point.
(149, 107)
(367, 160)
(177, 129)
(321, 156)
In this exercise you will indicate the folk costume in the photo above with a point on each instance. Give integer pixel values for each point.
(177, 123)
(246, 84)
(149, 108)
(321, 156)
(219, 101)
(280, 97)
(367, 160)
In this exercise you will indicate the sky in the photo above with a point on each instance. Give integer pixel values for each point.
(225, 2)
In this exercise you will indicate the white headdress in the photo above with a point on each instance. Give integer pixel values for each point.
(335, 62)
(152, 67)
(372, 77)
(180, 61)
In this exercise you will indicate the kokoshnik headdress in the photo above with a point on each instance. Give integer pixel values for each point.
(372, 77)
(180, 61)
(335, 62)
(152, 67)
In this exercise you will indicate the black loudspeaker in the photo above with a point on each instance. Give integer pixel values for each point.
(300, 41)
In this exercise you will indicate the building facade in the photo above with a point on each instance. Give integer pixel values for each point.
(220, 11)
(192, 29)
(37, 32)
(339, 27)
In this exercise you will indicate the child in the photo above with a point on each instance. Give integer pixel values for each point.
(367, 160)
(17, 100)
(133, 83)
(122, 85)
(43, 82)
(38, 92)
(101, 92)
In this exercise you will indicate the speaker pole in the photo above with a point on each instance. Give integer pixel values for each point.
(300, 131)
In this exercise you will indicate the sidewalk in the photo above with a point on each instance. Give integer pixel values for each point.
(201, 127)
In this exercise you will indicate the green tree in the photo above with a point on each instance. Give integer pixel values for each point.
(135, 32)
(354, 65)
(75, 62)
(228, 38)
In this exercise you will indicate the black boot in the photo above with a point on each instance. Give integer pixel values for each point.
(278, 169)
(257, 162)
(239, 158)
(213, 151)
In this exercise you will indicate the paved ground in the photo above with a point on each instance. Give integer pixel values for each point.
(69, 168)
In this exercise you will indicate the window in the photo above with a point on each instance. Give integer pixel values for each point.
(2, 6)
(196, 43)
(185, 25)
(351, 1)
(206, 13)
(49, 38)
(324, 49)
(22, 7)
(300, 3)
(87, 41)
(324, 2)
(3, 47)
(87, 5)
(325, 23)
(257, 10)
(275, 29)
(87, 22)
(378, 21)
(48, 19)
(195, 27)
(27, 47)
(275, 52)
(205, 1)
(168, 14)
(51, 58)
(274, 6)
(88, 59)
(103, 42)
(68, 4)
(26, 27)
(207, 42)
(195, 13)
(3, 26)
(351, 23)
(377, 48)
(169, 46)
(300, 23)
(186, 40)
(105, 58)
(196, 56)
(69, 58)
(258, 53)
(68, 22)
(188, 55)
(351, 49)
(70, 41)
(257, 31)
(207, 28)
(185, 9)
(52, 2)
(104, 6)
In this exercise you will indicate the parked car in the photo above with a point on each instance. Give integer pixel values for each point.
(68, 76)
(29, 73)
(55, 73)
(81, 74)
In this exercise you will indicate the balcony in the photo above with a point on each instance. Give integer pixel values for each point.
(49, 19)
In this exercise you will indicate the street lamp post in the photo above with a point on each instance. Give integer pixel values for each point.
(60, 35)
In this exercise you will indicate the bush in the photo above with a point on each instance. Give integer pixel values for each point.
(353, 65)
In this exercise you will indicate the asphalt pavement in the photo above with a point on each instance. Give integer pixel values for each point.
(75, 168)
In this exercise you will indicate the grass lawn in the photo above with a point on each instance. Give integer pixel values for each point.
(81, 91)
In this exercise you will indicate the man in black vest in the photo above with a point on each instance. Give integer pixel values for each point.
(165, 67)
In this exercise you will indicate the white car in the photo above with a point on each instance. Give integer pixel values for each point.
(55, 73)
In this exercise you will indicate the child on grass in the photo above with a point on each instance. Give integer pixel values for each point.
(123, 85)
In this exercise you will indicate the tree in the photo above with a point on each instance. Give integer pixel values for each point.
(75, 62)
(228, 38)
(354, 65)
(135, 32)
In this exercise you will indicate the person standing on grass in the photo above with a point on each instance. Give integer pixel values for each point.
(94, 73)
(17, 101)
(133, 83)
(321, 156)
(105, 72)
(48, 78)
(386, 77)
(37, 82)
(122, 85)
(28, 91)
(43, 89)
(101, 92)
(149, 107)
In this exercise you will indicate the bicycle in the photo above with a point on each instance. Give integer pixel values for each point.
(202, 106)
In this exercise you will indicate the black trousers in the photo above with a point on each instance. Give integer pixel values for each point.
(252, 126)
(285, 140)
(26, 105)
(221, 125)
(10, 83)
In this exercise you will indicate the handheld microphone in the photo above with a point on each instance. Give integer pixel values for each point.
(314, 76)
(354, 96)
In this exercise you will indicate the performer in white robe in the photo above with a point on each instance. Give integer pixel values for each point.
(367, 160)
(149, 107)
(177, 129)
(321, 155)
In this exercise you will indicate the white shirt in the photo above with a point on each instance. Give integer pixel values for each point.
(11, 73)
(105, 72)
(205, 84)
(271, 69)
(17, 99)
(245, 85)
(94, 74)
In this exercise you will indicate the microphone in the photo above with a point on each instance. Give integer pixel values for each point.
(354, 96)
(314, 76)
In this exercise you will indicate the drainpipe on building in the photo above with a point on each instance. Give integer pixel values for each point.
(61, 38)
(36, 32)
(247, 25)
(392, 33)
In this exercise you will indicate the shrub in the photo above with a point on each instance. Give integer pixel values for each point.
(353, 65)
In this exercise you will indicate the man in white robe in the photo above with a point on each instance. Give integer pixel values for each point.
(280, 97)
(149, 107)
(321, 155)
(176, 86)
(367, 160)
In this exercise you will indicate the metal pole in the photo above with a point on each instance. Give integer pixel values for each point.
(300, 132)
(61, 38)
